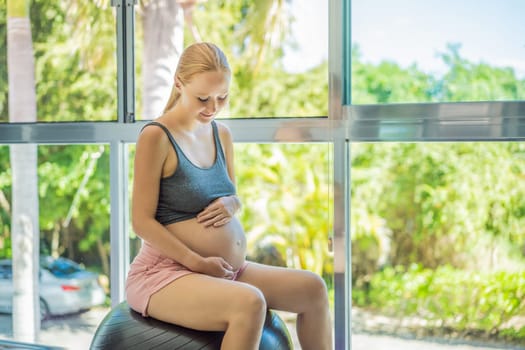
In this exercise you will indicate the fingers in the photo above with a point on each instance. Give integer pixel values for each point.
(215, 222)
(228, 270)
(226, 265)
(215, 219)
(208, 214)
(222, 222)
(216, 214)
(229, 275)
(222, 268)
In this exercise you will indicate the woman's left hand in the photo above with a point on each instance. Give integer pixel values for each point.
(219, 212)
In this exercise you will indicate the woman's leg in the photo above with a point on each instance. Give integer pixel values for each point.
(298, 291)
(206, 303)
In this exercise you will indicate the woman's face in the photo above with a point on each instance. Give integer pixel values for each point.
(205, 95)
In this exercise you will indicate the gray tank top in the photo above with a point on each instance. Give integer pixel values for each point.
(191, 188)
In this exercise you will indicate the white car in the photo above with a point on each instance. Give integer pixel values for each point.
(64, 287)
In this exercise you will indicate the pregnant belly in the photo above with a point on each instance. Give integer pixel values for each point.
(228, 241)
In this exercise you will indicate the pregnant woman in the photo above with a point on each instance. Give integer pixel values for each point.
(191, 269)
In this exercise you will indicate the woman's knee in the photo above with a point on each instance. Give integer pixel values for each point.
(250, 302)
(316, 287)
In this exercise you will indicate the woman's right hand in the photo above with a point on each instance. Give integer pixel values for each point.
(215, 266)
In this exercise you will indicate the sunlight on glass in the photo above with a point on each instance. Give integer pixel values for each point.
(57, 72)
(279, 66)
(437, 51)
(438, 240)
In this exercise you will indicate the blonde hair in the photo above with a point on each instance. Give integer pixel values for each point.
(197, 58)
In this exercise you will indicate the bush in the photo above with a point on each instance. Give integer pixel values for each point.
(490, 303)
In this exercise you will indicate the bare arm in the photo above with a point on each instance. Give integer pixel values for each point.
(226, 138)
(227, 142)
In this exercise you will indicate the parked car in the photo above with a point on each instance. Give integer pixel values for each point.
(64, 287)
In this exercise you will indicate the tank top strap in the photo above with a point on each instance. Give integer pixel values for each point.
(218, 145)
(174, 143)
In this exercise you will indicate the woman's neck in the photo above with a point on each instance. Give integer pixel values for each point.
(179, 119)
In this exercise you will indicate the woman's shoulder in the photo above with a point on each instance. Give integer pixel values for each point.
(224, 130)
(154, 127)
(153, 134)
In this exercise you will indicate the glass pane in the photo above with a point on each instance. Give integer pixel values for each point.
(438, 232)
(73, 244)
(286, 194)
(287, 191)
(62, 62)
(437, 51)
(279, 64)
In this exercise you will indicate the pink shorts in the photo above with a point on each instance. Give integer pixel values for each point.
(150, 272)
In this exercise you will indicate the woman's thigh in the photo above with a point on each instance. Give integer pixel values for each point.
(284, 288)
(201, 302)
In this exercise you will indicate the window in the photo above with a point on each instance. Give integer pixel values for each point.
(279, 65)
(57, 71)
(437, 51)
(367, 81)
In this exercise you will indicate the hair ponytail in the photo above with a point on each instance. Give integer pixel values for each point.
(174, 96)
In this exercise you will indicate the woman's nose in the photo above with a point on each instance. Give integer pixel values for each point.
(212, 106)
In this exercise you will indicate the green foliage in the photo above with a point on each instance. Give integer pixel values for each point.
(76, 186)
(288, 205)
(74, 198)
(449, 298)
(468, 81)
(5, 202)
(75, 74)
(306, 93)
(442, 202)
(387, 82)
(424, 204)
(260, 86)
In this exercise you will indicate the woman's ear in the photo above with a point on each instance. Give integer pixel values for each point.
(178, 83)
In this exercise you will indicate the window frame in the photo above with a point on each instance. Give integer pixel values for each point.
(345, 123)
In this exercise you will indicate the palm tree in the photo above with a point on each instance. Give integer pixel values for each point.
(163, 35)
(24, 217)
(264, 27)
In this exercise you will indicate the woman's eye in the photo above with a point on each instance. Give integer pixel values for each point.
(206, 99)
